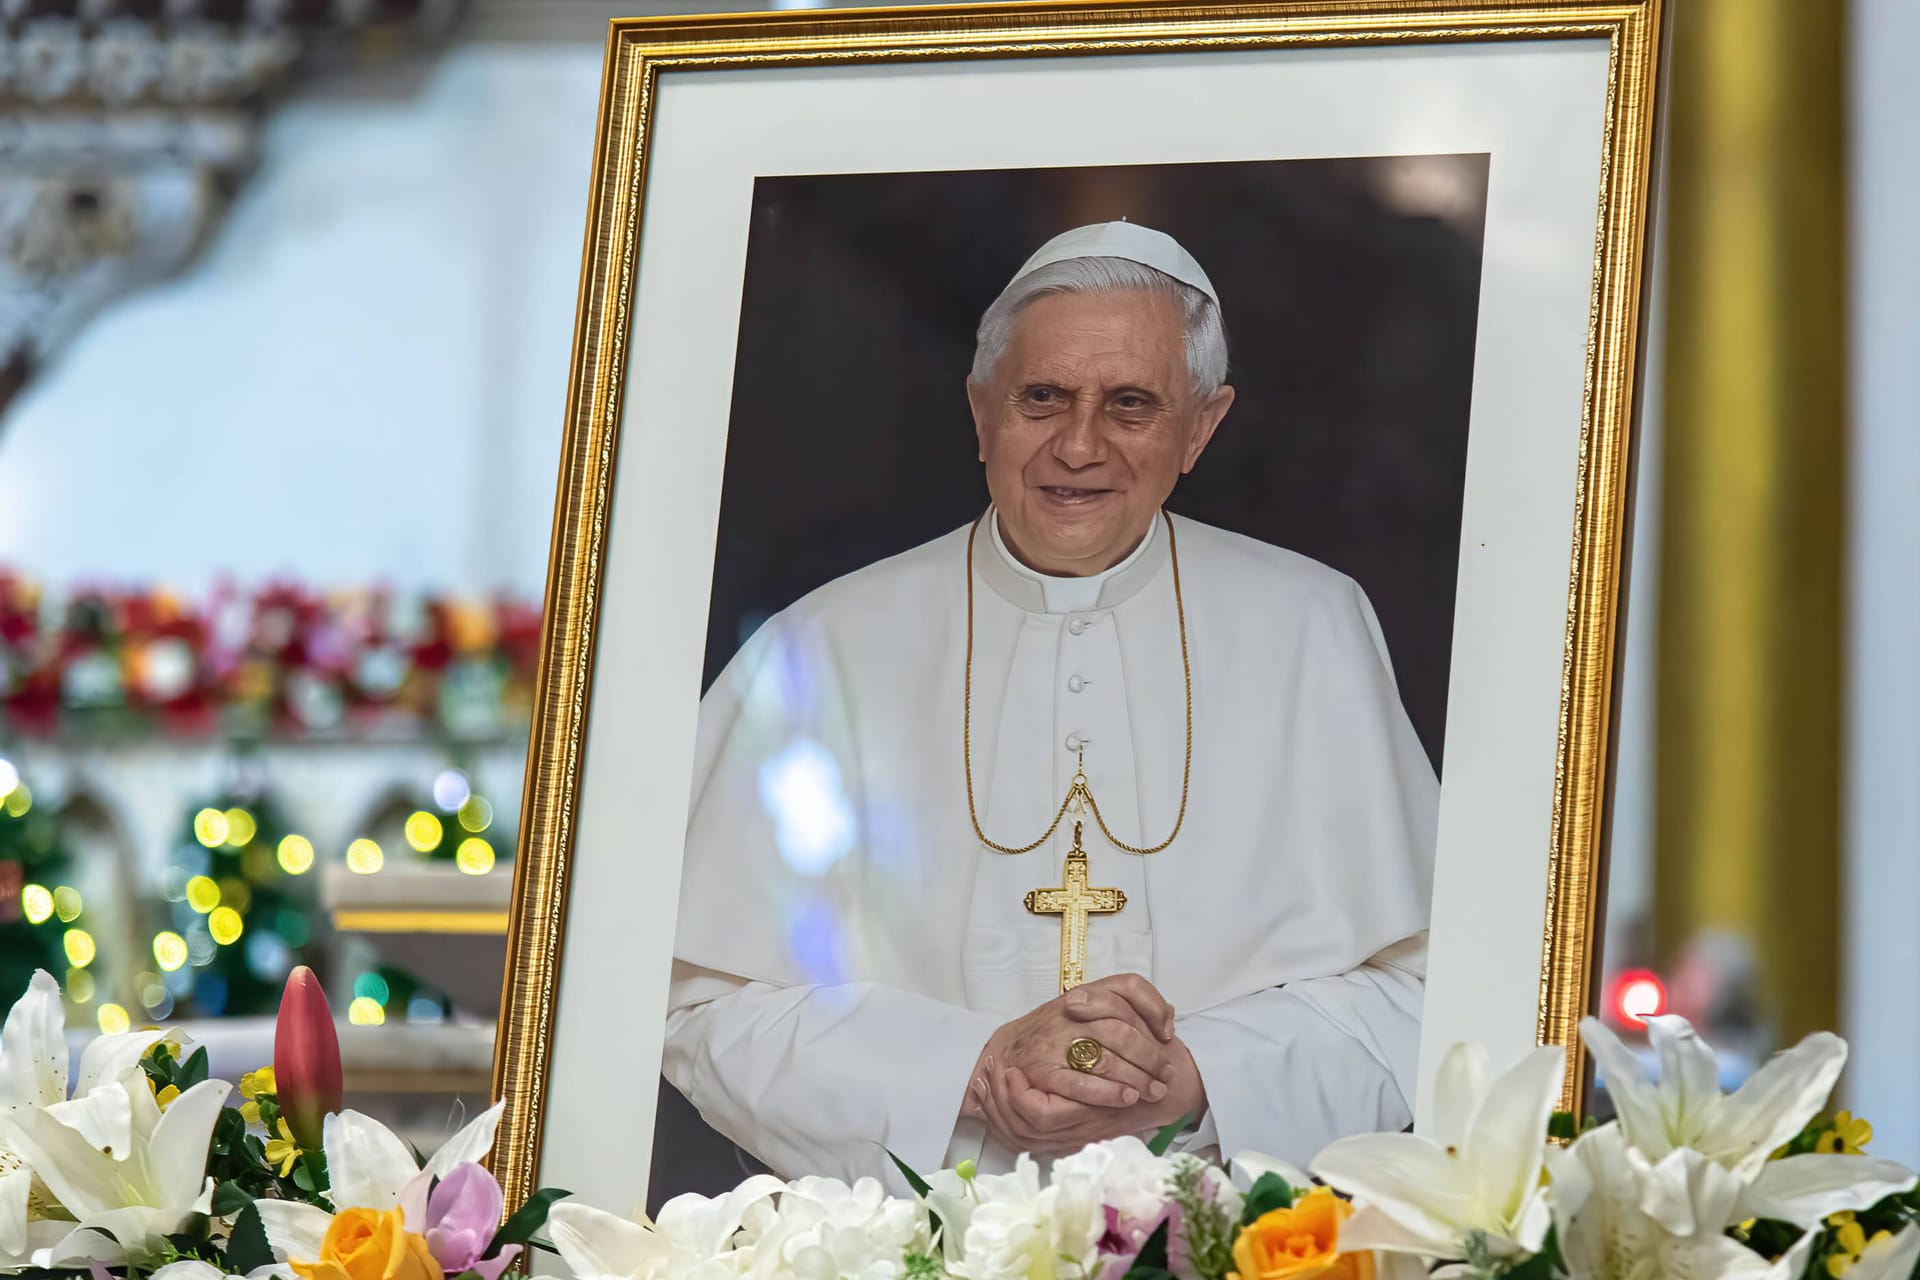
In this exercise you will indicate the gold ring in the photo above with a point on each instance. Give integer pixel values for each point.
(1084, 1054)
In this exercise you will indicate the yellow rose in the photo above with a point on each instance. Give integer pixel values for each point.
(1299, 1243)
(364, 1244)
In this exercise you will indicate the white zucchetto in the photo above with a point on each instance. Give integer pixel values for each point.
(1127, 240)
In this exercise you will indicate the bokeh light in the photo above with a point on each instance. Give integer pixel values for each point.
(19, 801)
(203, 894)
(79, 986)
(169, 950)
(241, 828)
(365, 857)
(476, 815)
(210, 828)
(424, 831)
(10, 778)
(225, 925)
(296, 855)
(450, 789)
(79, 947)
(66, 903)
(373, 987)
(813, 821)
(36, 903)
(114, 1020)
(475, 856)
(366, 1012)
(201, 948)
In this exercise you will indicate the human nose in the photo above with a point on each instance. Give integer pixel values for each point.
(1079, 442)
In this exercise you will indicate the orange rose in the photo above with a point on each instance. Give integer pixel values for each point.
(1299, 1243)
(365, 1244)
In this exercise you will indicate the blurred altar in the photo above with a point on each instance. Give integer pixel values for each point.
(286, 298)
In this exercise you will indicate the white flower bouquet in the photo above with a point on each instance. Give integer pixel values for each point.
(144, 1168)
(1687, 1182)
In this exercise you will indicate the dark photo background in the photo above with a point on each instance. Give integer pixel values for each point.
(1350, 290)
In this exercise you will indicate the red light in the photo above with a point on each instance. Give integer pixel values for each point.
(1638, 994)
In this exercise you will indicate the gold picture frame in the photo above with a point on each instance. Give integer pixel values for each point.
(638, 51)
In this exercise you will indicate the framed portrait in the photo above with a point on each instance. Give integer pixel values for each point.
(1084, 583)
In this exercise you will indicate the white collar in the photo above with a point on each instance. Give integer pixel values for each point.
(1067, 595)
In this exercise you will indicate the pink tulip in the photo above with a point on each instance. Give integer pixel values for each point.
(306, 1058)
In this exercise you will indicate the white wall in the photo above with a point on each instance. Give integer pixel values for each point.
(364, 377)
(1882, 903)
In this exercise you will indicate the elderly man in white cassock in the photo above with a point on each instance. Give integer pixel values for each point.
(1078, 821)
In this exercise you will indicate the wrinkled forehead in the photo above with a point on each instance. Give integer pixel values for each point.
(1117, 336)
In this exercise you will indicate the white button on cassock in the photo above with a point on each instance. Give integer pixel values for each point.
(1077, 625)
(1076, 683)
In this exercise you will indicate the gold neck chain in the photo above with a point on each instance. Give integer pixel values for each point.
(1079, 790)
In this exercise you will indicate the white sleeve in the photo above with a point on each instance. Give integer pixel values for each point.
(823, 1079)
(1289, 1069)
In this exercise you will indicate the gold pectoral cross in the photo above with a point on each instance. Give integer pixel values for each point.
(1073, 902)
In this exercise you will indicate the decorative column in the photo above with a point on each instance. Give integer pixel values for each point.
(1751, 565)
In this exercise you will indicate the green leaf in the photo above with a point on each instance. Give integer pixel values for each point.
(1152, 1256)
(193, 1071)
(526, 1220)
(1562, 1125)
(1163, 1140)
(914, 1180)
(303, 1177)
(229, 1197)
(1270, 1191)
(247, 1247)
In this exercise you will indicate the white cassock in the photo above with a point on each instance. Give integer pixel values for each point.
(846, 944)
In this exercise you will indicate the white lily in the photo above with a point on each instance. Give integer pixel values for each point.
(138, 1194)
(690, 1240)
(34, 1066)
(1740, 1131)
(369, 1167)
(1477, 1179)
(1620, 1219)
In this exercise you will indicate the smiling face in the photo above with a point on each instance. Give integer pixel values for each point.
(1088, 420)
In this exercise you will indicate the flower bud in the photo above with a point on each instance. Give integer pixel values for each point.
(306, 1057)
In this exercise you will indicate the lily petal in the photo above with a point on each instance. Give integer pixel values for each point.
(189, 1269)
(1686, 1193)
(103, 1116)
(1775, 1103)
(108, 1057)
(368, 1164)
(596, 1244)
(1369, 1228)
(470, 1145)
(1689, 1076)
(177, 1155)
(1805, 1189)
(33, 1047)
(1405, 1177)
(1507, 1141)
(1636, 1100)
(294, 1230)
(16, 1189)
(1459, 1088)
(81, 1177)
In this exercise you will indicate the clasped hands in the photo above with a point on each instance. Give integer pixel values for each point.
(1031, 1100)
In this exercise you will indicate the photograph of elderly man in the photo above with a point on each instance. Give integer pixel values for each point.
(1081, 819)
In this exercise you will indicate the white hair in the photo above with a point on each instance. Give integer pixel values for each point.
(1205, 333)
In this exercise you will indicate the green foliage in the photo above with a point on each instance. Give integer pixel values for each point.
(914, 1180)
(1163, 1141)
(247, 1247)
(1270, 1191)
(35, 843)
(526, 1220)
(1151, 1263)
(923, 1266)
